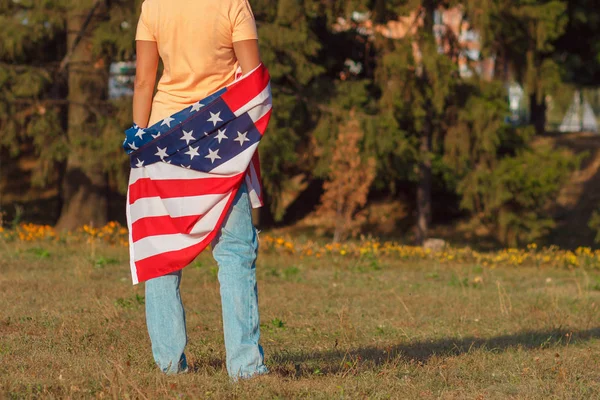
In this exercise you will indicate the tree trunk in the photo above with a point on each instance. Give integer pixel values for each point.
(425, 176)
(424, 189)
(84, 188)
(538, 113)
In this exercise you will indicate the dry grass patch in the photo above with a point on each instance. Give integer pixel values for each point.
(72, 326)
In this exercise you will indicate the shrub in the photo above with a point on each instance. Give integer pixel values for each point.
(516, 197)
(350, 178)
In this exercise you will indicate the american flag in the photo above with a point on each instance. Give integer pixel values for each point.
(186, 170)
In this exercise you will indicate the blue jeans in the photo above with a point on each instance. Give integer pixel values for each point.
(235, 249)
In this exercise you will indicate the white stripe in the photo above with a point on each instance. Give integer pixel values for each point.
(154, 245)
(162, 170)
(175, 207)
(134, 277)
(258, 112)
(254, 188)
(264, 97)
(232, 166)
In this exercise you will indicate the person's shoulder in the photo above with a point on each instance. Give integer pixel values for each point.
(235, 3)
(155, 4)
(149, 5)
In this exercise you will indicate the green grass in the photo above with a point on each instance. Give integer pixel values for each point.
(72, 326)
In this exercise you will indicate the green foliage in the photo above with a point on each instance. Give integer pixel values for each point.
(594, 224)
(580, 45)
(401, 96)
(514, 199)
(289, 48)
(33, 87)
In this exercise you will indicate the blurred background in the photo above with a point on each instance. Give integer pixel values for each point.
(471, 121)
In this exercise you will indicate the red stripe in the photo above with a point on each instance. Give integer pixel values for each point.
(166, 263)
(240, 93)
(170, 188)
(263, 122)
(163, 225)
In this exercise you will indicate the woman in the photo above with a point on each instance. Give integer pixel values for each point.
(201, 43)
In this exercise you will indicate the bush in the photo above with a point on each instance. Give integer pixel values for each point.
(516, 197)
(594, 224)
(346, 190)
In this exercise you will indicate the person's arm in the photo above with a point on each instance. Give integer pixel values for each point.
(247, 54)
(145, 79)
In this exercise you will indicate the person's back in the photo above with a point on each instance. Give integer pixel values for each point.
(195, 42)
(201, 43)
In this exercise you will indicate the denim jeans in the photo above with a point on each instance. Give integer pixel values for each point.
(235, 250)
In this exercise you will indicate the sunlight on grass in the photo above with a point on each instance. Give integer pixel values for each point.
(379, 321)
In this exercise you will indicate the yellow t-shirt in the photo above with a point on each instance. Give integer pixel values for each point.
(195, 42)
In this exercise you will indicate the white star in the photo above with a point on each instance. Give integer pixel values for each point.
(242, 138)
(221, 135)
(132, 146)
(193, 152)
(213, 155)
(155, 136)
(167, 121)
(187, 136)
(167, 162)
(140, 133)
(206, 133)
(162, 153)
(215, 118)
(140, 163)
(197, 106)
(186, 166)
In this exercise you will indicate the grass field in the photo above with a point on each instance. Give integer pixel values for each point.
(72, 326)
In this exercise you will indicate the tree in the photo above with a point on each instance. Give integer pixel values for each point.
(289, 47)
(84, 185)
(417, 82)
(578, 48)
(523, 35)
(53, 85)
(350, 178)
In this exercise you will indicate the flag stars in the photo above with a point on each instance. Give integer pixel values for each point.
(167, 121)
(193, 152)
(196, 107)
(155, 136)
(132, 146)
(221, 135)
(242, 138)
(215, 118)
(140, 133)
(139, 164)
(162, 153)
(213, 155)
(187, 136)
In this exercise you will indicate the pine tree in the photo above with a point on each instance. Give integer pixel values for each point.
(579, 46)
(53, 89)
(418, 82)
(523, 34)
(289, 48)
